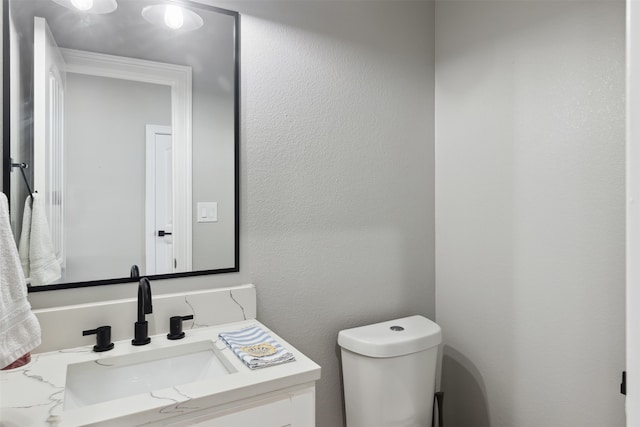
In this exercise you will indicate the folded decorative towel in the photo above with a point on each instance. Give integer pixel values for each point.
(19, 327)
(38, 257)
(256, 348)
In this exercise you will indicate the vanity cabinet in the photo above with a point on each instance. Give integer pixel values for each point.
(285, 409)
(48, 389)
(57, 387)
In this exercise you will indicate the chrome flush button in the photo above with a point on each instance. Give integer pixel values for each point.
(397, 328)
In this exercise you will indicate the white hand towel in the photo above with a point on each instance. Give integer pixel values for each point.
(38, 257)
(245, 343)
(19, 327)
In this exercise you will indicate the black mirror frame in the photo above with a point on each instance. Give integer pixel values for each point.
(6, 150)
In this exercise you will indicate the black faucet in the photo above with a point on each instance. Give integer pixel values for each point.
(135, 272)
(141, 332)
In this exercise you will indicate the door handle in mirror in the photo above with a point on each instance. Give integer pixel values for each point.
(162, 233)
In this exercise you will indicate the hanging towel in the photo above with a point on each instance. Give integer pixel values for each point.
(38, 257)
(19, 327)
(256, 348)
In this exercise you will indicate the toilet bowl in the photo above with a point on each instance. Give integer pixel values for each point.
(389, 372)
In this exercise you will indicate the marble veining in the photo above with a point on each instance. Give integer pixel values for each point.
(177, 408)
(209, 308)
(195, 322)
(34, 394)
(180, 393)
(244, 316)
(49, 395)
(167, 409)
(27, 373)
(76, 350)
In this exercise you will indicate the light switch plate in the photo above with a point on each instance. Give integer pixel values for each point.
(207, 211)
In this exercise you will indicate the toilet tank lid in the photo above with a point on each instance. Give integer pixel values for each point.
(392, 338)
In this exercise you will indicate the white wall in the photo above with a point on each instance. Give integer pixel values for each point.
(105, 151)
(213, 177)
(530, 211)
(337, 174)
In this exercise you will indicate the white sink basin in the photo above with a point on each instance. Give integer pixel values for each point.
(106, 379)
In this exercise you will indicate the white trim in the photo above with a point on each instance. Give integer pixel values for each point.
(39, 100)
(149, 203)
(178, 77)
(633, 214)
(49, 77)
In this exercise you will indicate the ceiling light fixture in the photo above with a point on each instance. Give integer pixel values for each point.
(89, 6)
(82, 4)
(173, 17)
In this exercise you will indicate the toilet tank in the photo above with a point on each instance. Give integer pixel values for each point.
(389, 372)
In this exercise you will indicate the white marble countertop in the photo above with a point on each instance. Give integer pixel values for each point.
(33, 395)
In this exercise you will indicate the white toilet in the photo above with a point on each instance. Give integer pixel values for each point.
(389, 372)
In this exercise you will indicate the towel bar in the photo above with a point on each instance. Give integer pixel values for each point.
(22, 167)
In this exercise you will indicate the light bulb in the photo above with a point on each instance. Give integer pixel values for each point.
(82, 4)
(173, 17)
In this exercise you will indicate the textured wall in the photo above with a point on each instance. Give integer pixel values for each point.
(337, 174)
(337, 179)
(530, 211)
(339, 152)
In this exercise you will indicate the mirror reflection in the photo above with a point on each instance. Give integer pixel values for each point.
(123, 118)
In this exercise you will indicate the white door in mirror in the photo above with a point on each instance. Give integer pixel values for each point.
(164, 204)
(159, 200)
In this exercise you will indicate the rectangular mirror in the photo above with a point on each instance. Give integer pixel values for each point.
(122, 119)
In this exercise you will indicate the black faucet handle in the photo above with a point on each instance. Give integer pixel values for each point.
(103, 338)
(175, 327)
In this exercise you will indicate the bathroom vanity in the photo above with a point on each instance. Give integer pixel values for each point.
(196, 380)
